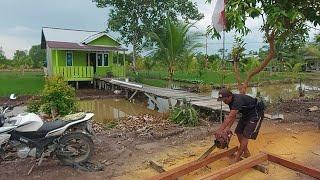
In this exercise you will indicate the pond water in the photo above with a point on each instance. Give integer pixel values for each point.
(107, 110)
(274, 92)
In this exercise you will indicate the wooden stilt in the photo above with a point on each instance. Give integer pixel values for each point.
(189, 167)
(77, 84)
(133, 95)
(170, 104)
(127, 93)
(99, 84)
(153, 100)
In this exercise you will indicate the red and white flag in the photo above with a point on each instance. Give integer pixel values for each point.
(218, 17)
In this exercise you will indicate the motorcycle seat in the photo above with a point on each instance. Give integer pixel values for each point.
(49, 126)
(44, 129)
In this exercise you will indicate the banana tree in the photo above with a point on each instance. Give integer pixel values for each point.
(174, 43)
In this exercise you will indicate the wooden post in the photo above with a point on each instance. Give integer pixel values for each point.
(104, 85)
(99, 84)
(154, 100)
(237, 167)
(126, 93)
(297, 166)
(77, 84)
(170, 104)
(192, 166)
(133, 95)
(124, 64)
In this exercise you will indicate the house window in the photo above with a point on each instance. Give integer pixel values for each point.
(105, 60)
(99, 59)
(69, 58)
(102, 59)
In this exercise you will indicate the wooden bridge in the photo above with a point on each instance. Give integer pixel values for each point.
(131, 89)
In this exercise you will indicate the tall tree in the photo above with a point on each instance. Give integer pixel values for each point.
(134, 19)
(21, 59)
(3, 61)
(37, 56)
(282, 21)
(175, 43)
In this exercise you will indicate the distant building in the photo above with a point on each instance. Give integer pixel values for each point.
(312, 63)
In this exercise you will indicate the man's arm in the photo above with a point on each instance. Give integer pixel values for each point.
(229, 120)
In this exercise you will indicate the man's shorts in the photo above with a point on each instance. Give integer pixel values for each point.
(249, 128)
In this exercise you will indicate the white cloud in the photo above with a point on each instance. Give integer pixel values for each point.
(21, 30)
(12, 43)
(18, 38)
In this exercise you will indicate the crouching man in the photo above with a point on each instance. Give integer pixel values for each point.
(250, 122)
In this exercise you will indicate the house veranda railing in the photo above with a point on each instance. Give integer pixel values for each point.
(75, 73)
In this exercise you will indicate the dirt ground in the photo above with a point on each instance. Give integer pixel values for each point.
(297, 109)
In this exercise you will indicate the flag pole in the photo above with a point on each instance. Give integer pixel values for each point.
(223, 59)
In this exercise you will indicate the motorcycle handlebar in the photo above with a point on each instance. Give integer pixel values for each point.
(11, 107)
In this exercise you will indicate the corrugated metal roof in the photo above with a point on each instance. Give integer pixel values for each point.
(79, 46)
(72, 38)
(67, 35)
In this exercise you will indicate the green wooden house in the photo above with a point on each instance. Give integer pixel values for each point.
(79, 55)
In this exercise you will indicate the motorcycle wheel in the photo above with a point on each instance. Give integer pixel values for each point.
(74, 148)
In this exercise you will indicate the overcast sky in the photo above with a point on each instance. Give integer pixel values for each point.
(21, 22)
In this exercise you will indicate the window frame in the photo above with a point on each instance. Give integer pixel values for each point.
(70, 52)
(102, 64)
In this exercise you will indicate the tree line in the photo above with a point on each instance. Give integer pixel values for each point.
(28, 59)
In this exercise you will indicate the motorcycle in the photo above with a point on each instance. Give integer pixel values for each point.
(26, 134)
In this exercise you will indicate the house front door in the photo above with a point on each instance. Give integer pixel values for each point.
(92, 60)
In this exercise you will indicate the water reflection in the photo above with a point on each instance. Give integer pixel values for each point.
(106, 110)
(275, 91)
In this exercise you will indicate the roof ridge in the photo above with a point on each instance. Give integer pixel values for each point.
(70, 29)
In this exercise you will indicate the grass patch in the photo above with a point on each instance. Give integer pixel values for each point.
(208, 77)
(29, 83)
(155, 82)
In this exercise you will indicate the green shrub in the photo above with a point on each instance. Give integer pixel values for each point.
(136, 77)
(185, 114)
(57, 94)
(34, 105)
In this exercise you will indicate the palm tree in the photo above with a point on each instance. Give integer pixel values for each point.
(174, 44)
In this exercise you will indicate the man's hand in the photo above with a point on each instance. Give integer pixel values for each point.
(217, 133)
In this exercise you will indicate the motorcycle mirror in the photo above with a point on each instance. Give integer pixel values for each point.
(12, 96)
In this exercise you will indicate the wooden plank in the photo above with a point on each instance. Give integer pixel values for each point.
(294, 165)
(237, 167)
(260, 167)
(155, 165)
(192, 166)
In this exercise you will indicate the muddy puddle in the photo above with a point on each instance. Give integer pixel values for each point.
(107, 110)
